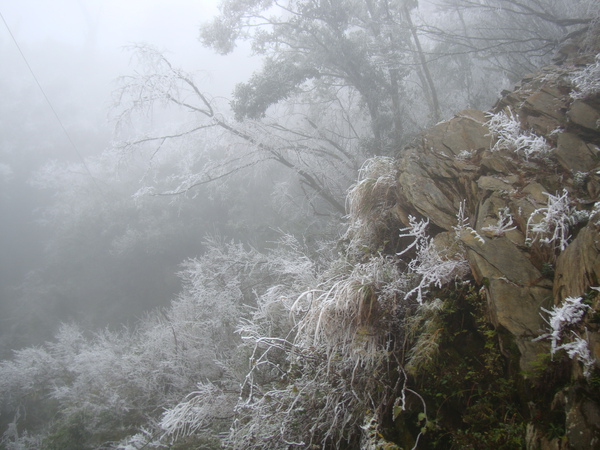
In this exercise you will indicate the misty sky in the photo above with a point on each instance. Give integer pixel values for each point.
(76, 50)
(104, 27)
(96, 31)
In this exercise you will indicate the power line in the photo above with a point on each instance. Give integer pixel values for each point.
(50, 103)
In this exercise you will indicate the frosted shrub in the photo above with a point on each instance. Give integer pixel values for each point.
(506, 128)
(268, 284)
(197, 411)
(418, 232)
(15, 439)
(143, 439)
(376, 178)
(462, 225)
(120, 381)
(586, 81)
(143, 382)
(348, 311)
(430, 265)
(110, 379)
(551, 225)
(504, 224)
(560, 319)
(424, 327)
(335, 336)
(579, 348)
(436, 268)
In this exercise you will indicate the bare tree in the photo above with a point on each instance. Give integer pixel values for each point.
(323, 160)
(514, 36)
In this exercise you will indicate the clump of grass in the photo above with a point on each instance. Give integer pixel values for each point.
(369, 200)
(506, 128)
(586, 81)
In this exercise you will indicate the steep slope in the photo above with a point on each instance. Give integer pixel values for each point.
(524, 179)
(459, 311)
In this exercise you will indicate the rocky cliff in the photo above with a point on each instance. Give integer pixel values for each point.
(524, 179)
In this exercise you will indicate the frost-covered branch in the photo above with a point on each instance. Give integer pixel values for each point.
(322, 160)
(552, 223)
(560, 319)
(504, 224)
(431, 265)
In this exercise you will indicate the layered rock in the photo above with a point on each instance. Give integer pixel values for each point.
(505, 193)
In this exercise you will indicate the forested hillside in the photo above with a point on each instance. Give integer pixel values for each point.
(390, 237)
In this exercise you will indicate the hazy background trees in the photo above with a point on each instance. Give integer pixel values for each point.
(340, 81)
(97, 236)
(54, 217)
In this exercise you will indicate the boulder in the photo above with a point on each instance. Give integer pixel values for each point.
(578, 267)
(515, 292)
(574, 154)
(584, 115)
(583, 420)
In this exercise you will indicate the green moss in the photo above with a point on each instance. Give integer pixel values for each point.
(470, 394)
(547, 270)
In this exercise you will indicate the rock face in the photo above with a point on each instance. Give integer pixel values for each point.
(510, 194)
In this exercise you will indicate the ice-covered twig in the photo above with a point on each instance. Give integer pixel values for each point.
(505, 220)
(556, 220)
(570, 313)
(506, 128)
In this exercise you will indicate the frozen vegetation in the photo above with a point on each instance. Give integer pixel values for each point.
(337, 277)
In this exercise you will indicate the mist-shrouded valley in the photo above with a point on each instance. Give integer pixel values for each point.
(334, 224)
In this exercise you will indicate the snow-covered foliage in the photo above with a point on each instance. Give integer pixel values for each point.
(579, 348)
(367, 200)
(569, 313)
(114, 380)
(143, 439)
(180, 360)
(431, 265)
(314, 344)
(462, 225)
(346, 311)
(561, 319)
(284, 273)
(586, 81)
(416, 230)
(506, 129)
(552, 224)
(504, 224)
(313, 353)
(197, 411)
(322, 342)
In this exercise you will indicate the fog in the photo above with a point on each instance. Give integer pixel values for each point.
(120, 151)
(204, 239)
(75, 50)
